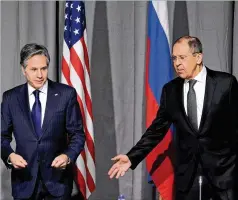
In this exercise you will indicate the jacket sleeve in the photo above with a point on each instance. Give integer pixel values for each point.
(233, 100)
(74, 127)
(6, 130)
(153, 135)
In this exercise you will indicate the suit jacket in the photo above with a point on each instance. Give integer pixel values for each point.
(214, 145)
(62, 132)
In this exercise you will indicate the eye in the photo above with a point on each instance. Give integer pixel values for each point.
(44, 68)
(182, 57)
(34, 69)
(173, 58)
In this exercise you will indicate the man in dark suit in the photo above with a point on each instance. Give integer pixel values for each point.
(45, 119)
(203, 106)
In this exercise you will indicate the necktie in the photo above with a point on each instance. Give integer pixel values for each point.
(192, 105)
(36, 113)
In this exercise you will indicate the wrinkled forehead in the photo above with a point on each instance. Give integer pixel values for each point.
(37, 61)
(181, 48)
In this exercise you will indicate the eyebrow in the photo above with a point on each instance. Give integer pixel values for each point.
(39, 68)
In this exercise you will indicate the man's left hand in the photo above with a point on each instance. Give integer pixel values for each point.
(60, 162)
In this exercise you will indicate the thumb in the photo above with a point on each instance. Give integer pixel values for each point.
(118, 157)
(54, 162)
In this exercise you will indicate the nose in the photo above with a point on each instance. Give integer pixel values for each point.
(39, 74)
(177, 62)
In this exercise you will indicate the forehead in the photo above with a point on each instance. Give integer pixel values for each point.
(37, 61)
(181, 48)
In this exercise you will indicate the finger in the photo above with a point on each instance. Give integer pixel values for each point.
(59, 163)
(23, 162)
(20, 165)
(113, 173)
(118, 174)
(123, 173)
(63, 165)
(15, 166)
(118, 157)
(54, 162)
(112, 168)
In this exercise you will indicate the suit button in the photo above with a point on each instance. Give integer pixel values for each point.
(39, 142)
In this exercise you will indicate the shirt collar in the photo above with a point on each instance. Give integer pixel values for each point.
(43, 89)
(201, 77)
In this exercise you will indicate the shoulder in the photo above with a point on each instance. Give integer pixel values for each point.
(173, 83)
(62, 88)
(221, 77)
(14, 91)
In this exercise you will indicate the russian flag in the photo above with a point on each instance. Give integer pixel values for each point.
(158, 72)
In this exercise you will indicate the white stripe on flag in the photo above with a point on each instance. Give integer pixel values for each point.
(77, 84)
(81, 166)
(78, 47)
(66, 53)
(85, 38)
(63, 80)
(90, 164)
(162, 13)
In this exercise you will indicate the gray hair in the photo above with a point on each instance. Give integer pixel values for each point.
(193, 42)
(32, 49)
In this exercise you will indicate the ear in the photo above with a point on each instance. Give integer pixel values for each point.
(23, 70)
(199, 57)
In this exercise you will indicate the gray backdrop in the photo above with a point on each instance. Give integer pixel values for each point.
(116, 42)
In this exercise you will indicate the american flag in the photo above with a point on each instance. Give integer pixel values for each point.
(76, 73)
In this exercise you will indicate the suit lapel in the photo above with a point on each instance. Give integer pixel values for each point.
(53, 96)
(209, 91)
(23, 99)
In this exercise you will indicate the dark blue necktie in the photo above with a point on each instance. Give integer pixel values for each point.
(36, 113)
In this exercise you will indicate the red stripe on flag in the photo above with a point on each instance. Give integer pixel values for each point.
(79, 180)
(66, 71)
(85, 54)
(89, 140)
(90, 182)
(78, 67)
(85, 184)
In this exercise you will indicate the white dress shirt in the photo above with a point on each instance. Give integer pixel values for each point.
(199, 88)
(43, 98)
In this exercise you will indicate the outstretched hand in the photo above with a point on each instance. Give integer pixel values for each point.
(121, 166)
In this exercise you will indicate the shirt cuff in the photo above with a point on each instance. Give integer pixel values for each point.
(8, 161)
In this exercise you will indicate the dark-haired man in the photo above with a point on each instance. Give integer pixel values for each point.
(45, 119)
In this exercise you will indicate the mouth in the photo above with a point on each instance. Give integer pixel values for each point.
(39, 82)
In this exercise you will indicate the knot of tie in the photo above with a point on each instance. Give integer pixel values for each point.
(192, 83)
(36, 94)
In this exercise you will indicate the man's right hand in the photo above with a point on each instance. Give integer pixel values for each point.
(120, 167)
(17, 161)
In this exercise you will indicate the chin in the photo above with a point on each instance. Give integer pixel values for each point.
(183, 76)
(38, 86)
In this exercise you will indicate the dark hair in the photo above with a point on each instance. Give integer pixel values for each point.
(32, 49)
(193, 42)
